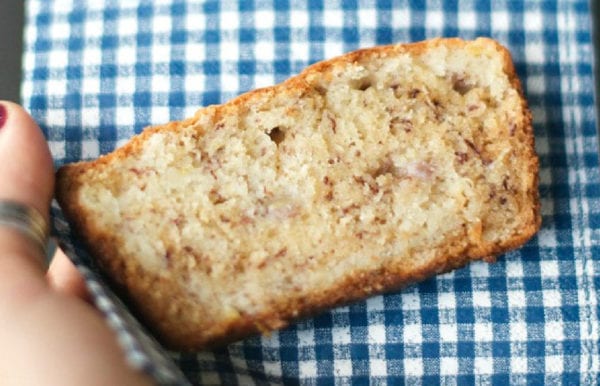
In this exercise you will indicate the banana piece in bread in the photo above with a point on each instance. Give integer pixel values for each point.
(362, 174)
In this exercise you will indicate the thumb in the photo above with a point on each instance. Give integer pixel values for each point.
(62, 337)
(25, 163)
(26, 176)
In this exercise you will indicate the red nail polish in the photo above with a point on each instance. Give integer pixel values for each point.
(2, 115)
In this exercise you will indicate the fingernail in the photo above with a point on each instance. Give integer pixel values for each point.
(2, 115)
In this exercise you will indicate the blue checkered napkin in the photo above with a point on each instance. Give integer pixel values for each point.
(96, 72)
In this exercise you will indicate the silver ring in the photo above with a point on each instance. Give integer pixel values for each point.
(27, 220)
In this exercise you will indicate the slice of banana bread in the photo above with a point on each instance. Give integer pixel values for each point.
(361, 175)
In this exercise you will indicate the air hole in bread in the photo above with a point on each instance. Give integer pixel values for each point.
(277, 135)
(460, 84)
(361, 84)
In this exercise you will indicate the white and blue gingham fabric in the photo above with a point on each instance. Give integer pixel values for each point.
(97, 72)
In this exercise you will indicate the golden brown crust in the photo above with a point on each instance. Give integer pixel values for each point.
(183, 335)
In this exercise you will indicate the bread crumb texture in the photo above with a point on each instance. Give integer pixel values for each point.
(360, 175)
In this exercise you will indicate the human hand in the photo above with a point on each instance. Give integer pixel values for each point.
(49, 334)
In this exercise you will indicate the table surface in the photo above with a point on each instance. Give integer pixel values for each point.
(11, 26)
